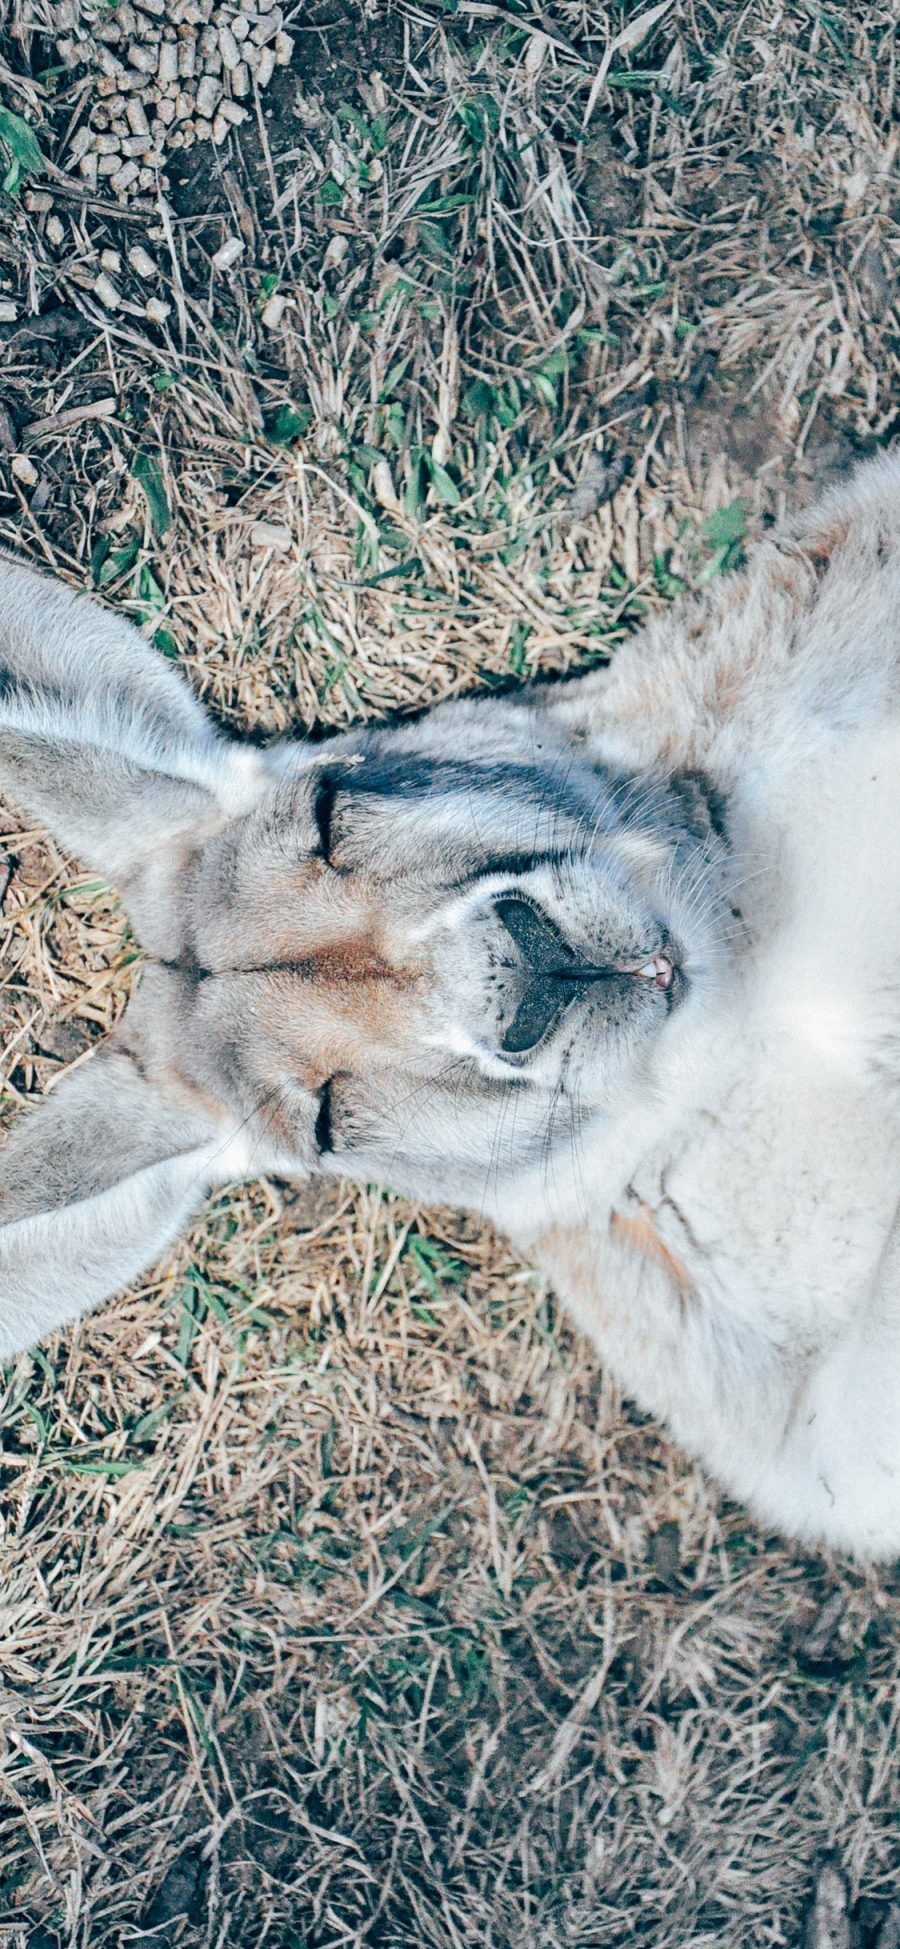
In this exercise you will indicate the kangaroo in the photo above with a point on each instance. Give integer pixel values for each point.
(615, 962)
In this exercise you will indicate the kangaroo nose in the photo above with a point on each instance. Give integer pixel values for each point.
(549, 977)
(539, 943)
(552, 974)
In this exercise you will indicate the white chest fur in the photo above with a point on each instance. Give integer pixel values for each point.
(787, 1174)
(831, 979)
(763, 1322)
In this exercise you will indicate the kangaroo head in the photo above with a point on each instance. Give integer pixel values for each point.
(426, 955)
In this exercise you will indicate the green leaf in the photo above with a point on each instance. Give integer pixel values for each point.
(727, 525)
(517, 643)
(544, 388)
(286, 424)
(444, 487)
(192, 1311)
(150, 591)
(433, 1263)
(668, 584)
(37, 1418)
(99, 553)
(332, 674)
(21, 145)
(478, 399)
(147, 472)
(85, 890)
(480, 117)
(414, 494)
(441, 206)
(374, 132)
(639, 80)
(725, 531)
(435, 245)
(117, 562)
(393, 377)
(147, 1424)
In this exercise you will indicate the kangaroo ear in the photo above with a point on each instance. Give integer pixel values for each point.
(99, 735)
(95, 1183)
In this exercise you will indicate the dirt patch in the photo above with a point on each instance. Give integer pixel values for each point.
(336, 46)
(339, 45)
(610, 188)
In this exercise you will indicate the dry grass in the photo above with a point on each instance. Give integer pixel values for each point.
(343, 1603)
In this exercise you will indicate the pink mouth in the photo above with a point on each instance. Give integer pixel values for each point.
(661, 971)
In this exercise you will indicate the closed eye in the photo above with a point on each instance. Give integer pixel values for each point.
(322, 807)
(322, 1131)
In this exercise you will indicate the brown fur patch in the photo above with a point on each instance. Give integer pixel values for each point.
(639, 1232)
(820, 547)
(568, 1255)
(357, 962)
(729, 688)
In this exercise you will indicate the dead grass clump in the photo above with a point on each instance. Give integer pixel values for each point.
(342, 1600)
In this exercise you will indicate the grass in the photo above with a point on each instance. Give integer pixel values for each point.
(343, 1601)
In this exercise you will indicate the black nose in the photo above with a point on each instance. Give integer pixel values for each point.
(539, 1011)
(540, 944)
(552, 974)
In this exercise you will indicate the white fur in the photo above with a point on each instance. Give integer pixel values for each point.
(768, 1155)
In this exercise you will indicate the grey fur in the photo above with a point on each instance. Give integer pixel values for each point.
(213, 844)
